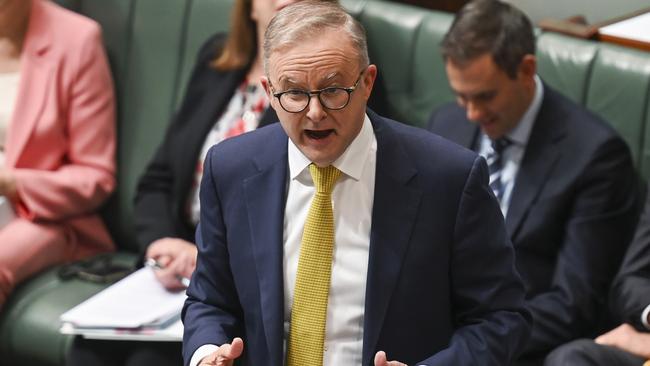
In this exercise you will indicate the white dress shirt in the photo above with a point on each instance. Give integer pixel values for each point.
(352, 202)
(644, 317)
(8, 94)
(513, 154)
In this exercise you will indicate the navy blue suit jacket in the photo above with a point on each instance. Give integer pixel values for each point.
(441, 287)
(572, 214)
(630, 293)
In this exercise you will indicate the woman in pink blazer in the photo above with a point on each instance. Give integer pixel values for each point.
(57, 135)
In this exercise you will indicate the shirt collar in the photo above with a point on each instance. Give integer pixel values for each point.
(350, 163)
(521, 132)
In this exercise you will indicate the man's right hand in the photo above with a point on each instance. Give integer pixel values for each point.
(225, 354)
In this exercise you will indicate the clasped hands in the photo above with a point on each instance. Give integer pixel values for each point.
(228, 352)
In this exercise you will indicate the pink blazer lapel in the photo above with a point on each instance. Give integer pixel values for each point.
(34, 85)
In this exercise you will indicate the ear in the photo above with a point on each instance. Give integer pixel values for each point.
(369, 79)
(528, 67)
(266, 84)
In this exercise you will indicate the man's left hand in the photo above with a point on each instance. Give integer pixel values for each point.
(380, 360)
(628, 339)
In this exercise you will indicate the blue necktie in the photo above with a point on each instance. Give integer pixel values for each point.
(495, 165)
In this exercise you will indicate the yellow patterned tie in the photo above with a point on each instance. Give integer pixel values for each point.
(309, 310)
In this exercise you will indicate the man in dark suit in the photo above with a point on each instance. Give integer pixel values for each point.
(417, 264)
(565, 180)
(629, 343)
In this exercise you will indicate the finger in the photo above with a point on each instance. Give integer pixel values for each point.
(158, 247)
(168, 280)
(380, 358)
(235, 349)
(395, 363)
(607, 339)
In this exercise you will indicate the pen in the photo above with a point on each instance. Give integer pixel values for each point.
(154, 264)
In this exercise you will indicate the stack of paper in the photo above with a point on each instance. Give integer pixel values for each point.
(138, 308)
(635, 28)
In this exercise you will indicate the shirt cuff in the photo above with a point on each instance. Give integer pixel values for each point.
(202, 352)
(644, 317)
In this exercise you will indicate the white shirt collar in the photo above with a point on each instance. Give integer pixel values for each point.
(521, 132)
(350, 163)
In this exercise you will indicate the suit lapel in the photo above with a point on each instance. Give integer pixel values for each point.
(394, 212)
(265, 202)
(540, 157)
(34, 85)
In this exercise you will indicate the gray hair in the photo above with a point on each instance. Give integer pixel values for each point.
(309, 19)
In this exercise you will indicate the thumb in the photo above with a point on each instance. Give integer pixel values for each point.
(380, 358)
(236, 349)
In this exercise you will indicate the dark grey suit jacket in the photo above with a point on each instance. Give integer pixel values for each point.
(572, 213)
(631, 291)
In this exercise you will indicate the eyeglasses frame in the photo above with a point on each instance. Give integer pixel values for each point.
(317, 92)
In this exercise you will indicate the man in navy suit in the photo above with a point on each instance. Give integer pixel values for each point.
(565, 179)
(422, 271)
(629, 343)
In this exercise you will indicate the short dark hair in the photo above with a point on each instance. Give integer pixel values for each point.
(493, 27)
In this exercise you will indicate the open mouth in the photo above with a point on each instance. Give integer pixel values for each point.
(318, 134)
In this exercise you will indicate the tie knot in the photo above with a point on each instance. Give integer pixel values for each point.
(324, 178)
(501, 144)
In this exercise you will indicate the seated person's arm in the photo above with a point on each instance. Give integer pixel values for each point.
(598, 228)
(85, 181)
(630, 294)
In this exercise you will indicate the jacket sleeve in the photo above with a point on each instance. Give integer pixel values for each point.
(493, 323)
(597, 230)
(86, 177)
(630, 293)
(212, 313)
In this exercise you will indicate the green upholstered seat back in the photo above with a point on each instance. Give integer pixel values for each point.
(151, 46)
(619, 91)
(403, 42)
(565, 64)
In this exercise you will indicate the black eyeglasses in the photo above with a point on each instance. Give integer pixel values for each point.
(333, 97)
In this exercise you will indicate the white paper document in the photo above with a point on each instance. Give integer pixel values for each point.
(138, 305)
(636, 28)
(173, 333)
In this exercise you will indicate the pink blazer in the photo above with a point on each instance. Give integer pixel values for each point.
(61, 139)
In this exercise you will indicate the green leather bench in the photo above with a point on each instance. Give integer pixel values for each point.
(151, 45)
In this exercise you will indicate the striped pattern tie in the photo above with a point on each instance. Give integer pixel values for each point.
(495, 165)
(309, 309)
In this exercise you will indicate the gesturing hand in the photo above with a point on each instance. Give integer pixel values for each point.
(380, 360)
(225, 354)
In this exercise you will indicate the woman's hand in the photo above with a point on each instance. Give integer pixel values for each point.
(8, 184)
(177, 258)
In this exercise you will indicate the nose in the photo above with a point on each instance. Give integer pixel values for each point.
(474, 111)
(315, 110)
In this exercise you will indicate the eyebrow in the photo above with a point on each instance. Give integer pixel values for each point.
(481, 94)
(285, 81)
